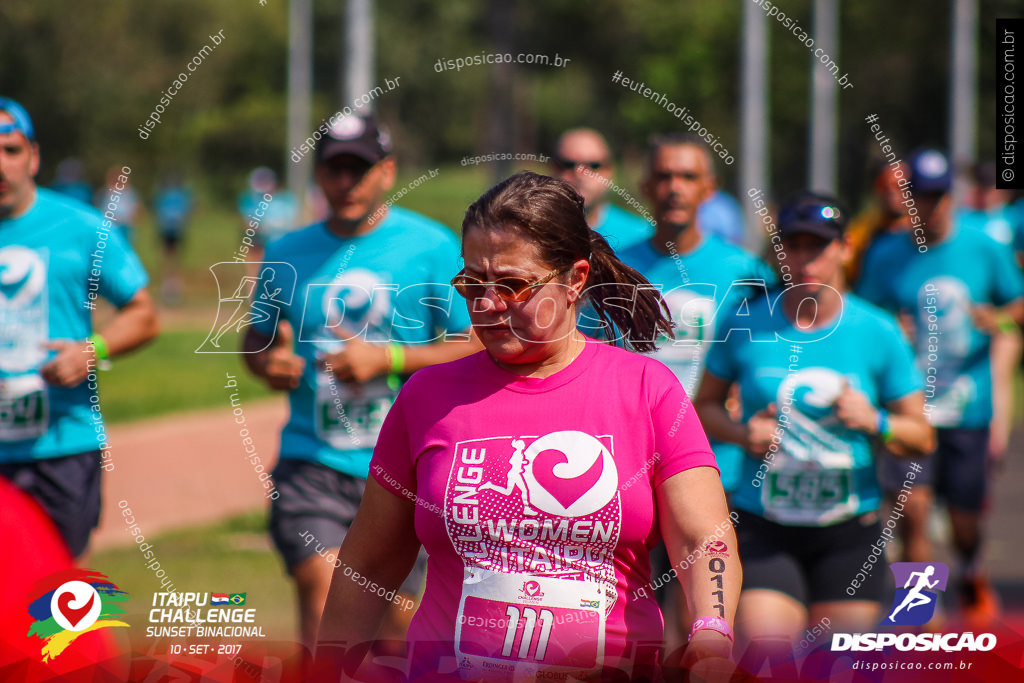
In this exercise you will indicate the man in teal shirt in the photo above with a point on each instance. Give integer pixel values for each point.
(371, 305)
(952, 285)
(57, 255)
(583, 160)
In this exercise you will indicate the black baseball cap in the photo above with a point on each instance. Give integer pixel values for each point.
(930, 171)
(356, 134)
(813, 214)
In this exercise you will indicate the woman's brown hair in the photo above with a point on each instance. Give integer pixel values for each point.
(549, 212)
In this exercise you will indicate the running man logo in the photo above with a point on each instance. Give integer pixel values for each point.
(253, 300)
(914, 603)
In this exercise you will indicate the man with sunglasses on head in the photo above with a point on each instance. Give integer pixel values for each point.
(583, 160)
(372, 304)
(955, 285)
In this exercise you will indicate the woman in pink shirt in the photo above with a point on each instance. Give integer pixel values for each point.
(539, 473)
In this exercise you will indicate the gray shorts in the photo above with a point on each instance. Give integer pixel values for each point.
(67, 488)
(318, 500)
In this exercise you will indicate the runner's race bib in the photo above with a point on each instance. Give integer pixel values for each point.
(349, 417)
(513, 626)
(24, 407)
(810, 492)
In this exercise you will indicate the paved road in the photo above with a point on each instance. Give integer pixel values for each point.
(187, 469)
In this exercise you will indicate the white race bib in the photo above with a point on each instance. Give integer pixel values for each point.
(348, 417)
(512, 626)
(810, 492)
(24, 408)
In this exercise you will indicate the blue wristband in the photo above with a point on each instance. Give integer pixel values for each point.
(884, 429)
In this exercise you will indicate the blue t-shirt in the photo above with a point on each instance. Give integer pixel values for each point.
(938, 288)
(697, 286)
(622, 229)
(721, 215)
(818, 471)
(54, 260)
(391, 284)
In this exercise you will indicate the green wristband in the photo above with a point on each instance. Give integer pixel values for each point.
(99, 349)
(397, 355)
(1005, 323)
(397, 358)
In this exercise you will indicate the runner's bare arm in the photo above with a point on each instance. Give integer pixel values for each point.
(360, 361)
(134, 324)
(911, 435)
(754, 437)
(692, 512)
(379, 551)
(277, 363)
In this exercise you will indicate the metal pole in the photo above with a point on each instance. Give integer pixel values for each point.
(358, 66)
(300, 94)
(822, 172)
(963, 92)
(754, 113)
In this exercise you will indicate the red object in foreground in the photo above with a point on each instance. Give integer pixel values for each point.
(33, 550)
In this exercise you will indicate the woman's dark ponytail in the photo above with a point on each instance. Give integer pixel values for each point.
(624, 300)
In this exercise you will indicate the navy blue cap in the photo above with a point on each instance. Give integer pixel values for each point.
(814, 214)
(930, 171)
(22, 121)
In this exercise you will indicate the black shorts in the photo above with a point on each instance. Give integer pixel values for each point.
(809, 563)
(318, 500)
(170, 240)
(957, 470)
(67, 488)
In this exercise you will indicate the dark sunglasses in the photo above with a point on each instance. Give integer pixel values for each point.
(570, 164)
(508, 289)
(818, 213)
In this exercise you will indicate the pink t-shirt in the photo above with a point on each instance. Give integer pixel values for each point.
(535, 503)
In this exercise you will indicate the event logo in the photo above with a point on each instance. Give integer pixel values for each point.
(716, 549)
(531, 591)
(67, 604)
(914, 603)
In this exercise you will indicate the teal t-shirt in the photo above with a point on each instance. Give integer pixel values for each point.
(938, 288)
(1004, 224)
(391, 284)
(700, 286)
(822, 472)
(55, 260)
(623, 229)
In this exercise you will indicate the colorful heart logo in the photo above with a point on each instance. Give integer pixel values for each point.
(531, 588)
(75, 605)
(72, 614)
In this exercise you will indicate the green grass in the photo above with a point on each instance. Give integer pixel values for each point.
(167, 377)
(231, 556)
